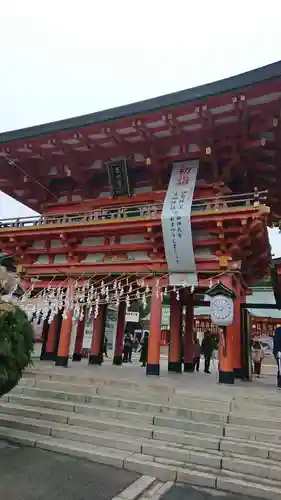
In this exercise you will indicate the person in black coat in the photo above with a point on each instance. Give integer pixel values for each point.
(144, 349)
(277, 354)
(207, 348)
(127, 348)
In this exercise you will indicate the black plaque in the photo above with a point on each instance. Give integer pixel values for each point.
(118, 178)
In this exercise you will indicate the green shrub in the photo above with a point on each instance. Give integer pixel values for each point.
(16, 345)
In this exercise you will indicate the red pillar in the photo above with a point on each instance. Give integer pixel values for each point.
(189, 335)
(64, 341)
(153, 360)
(175, 362)
(50, 347)
(117, 359)
(95, 356)
(227, 344)
(77, 355)
(237, 351)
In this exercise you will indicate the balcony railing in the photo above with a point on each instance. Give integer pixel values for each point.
(222, 203)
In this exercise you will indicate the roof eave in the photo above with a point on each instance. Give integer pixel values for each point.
(243, 80)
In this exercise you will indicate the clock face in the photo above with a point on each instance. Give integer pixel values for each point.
(222, 310)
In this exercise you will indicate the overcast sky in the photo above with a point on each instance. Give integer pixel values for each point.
(63, 58)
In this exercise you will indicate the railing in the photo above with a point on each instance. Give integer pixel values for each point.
(224, 203)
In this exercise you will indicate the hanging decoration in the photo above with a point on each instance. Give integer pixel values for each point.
(93, 292)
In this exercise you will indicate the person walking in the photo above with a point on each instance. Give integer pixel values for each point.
(277, 354)
(257, 357)
(197, 352)
(207, 348)
(105, 343)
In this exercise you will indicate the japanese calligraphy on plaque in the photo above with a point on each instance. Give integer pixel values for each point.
(176, 223)
(118, 178)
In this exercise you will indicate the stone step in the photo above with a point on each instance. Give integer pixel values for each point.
(247, 487)
(200, 442)
(18, 436)
(193, 448)
(114, 383)
(163, 467)
(63, 410)
(230, 431)
(145, 464)
(264, 411)
(261, 401)
(268, 469)
(256, 434)
(27, 424)
(42, 426)
(147, 410)
(121, 420)
(189, 405)
(141, 395)
(189, 425)
(255, 421)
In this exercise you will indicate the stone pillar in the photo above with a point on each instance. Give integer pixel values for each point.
(64, 340)
(189, 335)
(175, 362)
(49, 353)
(77, 355)
(95, 356)
(118, 352)
(153, 360)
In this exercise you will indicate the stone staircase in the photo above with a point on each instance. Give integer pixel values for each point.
(229, 442)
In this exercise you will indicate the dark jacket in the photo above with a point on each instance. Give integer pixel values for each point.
(277, 341)
(207, 346)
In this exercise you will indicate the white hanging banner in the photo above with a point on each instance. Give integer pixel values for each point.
(176, 224)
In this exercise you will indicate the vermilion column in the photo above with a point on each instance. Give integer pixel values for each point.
(77, 355)
(64, 341)
(237, 351)
(175, 362)
(153, 361)
(117, 359)
(189, 335)
(95, 356)
(227, 345)
(50, 347)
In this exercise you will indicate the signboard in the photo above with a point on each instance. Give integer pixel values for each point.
(111, 326)
(176, 224)
(132, 317)
(118, 178)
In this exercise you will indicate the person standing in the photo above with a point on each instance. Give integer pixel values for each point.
(277, 354)
(131, 342)
(144, 349)
(257, 357)
(207, 348)
(197, 352)
(126, 350)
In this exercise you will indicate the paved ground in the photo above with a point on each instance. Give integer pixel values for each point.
(33, 474)
(183, 492)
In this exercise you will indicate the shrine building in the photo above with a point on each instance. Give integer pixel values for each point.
(163, 197)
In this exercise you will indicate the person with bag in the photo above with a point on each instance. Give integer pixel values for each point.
(257, 357)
